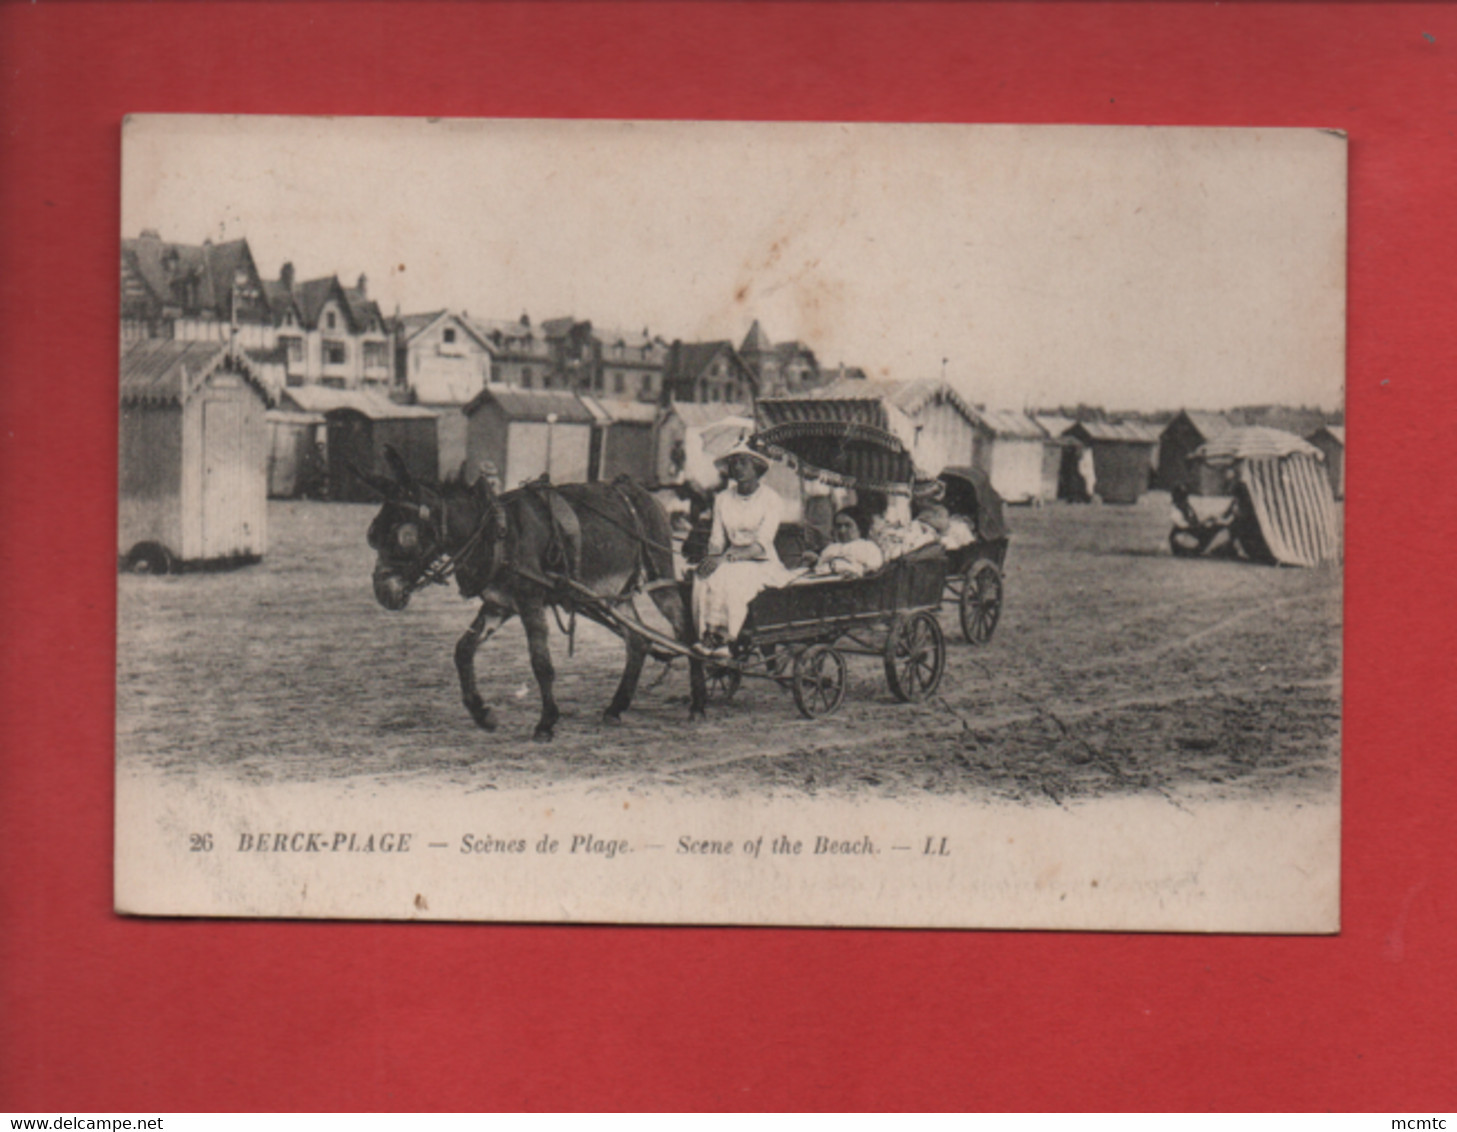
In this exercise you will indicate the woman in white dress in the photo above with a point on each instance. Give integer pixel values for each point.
(741, 560)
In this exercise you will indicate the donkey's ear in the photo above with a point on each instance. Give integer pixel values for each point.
(396, 465)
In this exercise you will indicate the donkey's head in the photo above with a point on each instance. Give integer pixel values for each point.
(408, 533)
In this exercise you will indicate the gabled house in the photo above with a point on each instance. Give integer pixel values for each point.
(346, 343)
(521, 355)
(628, 364)
(192, 292)
(708, 373)
(443, 361)
(441, 357)
(783, 369)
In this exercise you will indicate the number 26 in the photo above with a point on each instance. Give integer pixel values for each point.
(200, 842)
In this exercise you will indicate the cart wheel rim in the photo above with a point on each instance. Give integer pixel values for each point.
(981, 603)
(915, 657)
(819, 680)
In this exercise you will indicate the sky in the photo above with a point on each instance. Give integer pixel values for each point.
(1136, 268)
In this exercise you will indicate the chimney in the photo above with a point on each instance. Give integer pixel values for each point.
(285, 276)
(363, 286)
(151, 234)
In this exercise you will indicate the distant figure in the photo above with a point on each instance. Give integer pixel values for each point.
(1192, 535)
(1235, 533)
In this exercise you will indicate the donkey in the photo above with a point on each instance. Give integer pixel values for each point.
(513, 551)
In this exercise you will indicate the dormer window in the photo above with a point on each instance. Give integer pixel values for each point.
(449, 335)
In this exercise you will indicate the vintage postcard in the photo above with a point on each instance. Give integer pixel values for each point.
(731, 523)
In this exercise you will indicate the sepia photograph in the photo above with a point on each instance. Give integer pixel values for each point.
(731, 522)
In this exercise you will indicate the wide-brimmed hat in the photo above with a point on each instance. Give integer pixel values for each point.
(742, 449)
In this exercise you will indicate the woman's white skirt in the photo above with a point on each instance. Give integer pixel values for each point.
(722, 598)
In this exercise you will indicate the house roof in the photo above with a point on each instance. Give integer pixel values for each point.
(1254, 442)
(293, 416)
(150, 267)
(1208, 425)
(411, 326)
(163, 371)
(1335, 431)
(756, 341)
(1118, 432)
(1010, 424)
(312, 294)
(910, 397)
(535, 404)
(1053, 424)
(326, 399)
(529, 340)
(697, 415)
(610, 335)
(278, 297)
(624, 412)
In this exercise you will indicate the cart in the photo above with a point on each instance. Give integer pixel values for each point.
(974, 572)
(799, 635)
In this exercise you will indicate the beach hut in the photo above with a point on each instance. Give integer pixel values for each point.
(1124, 457)
(451, 430)
(1283, 480)
(1331, 440)
(1011, 448)
(525, 432)
(678, 434)
(1179, 440)
(623, 444)
(360, 424)
(193, 459)
(296, 464)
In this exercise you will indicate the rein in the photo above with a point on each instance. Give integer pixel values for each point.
(443, 566)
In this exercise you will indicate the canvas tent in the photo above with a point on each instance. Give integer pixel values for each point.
(1284, 480)
(1331, 440)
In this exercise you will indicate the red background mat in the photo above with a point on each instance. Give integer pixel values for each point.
(103, 1013)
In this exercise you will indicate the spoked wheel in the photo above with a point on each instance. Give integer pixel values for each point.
(819, 681)
(722, 681)
(981, 601)
(915, 657)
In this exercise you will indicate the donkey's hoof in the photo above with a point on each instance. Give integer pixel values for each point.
(542, 735)
(611, 718)
(483, 716)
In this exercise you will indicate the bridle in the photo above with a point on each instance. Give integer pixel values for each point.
(442, 565)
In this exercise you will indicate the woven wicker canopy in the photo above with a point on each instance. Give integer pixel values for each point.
(842, 453)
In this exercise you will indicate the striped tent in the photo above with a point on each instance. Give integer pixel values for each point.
(1288, 490)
